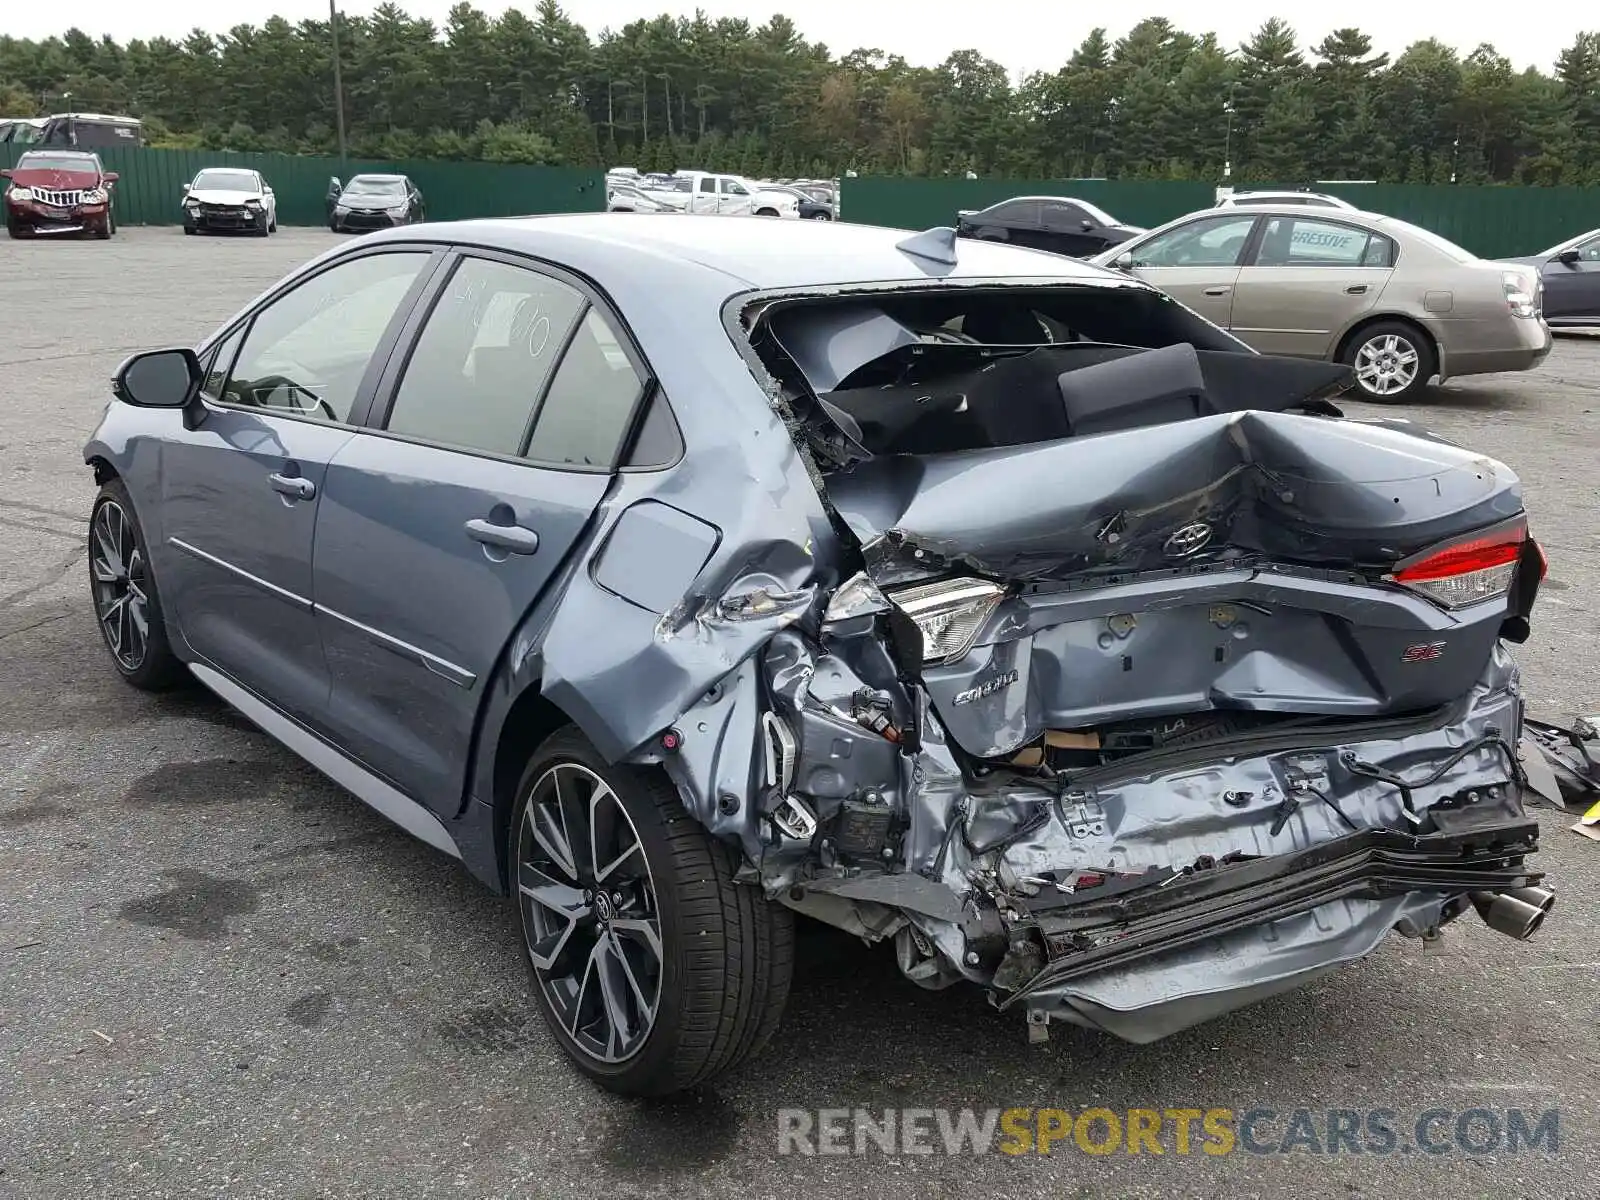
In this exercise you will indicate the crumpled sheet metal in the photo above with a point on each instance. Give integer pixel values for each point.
(1305, 488)
(1563, 764)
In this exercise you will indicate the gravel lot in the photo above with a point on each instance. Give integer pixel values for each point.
(220, 974)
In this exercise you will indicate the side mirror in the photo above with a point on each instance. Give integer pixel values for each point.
(111, 176)
(5, 174)
(1569, 256)
(1087, 224)
(1123, 261)
(186, 189)
(159, 379)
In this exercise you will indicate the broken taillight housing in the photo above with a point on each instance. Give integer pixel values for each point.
(949, 614)
(1469, 570)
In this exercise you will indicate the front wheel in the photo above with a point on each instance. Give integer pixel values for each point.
(127, 605)
(1392, 362)
(653, 969)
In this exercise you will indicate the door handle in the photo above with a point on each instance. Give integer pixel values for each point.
(293, 485)
(1216, 291)
(513, 538)
(1356, 289)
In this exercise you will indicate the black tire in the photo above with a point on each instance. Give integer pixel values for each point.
(155, 668)
(1372, 347)
(188, 229)
(726, 953)
(16, 231)
(263, 231)
(103, 231)
(272, 226)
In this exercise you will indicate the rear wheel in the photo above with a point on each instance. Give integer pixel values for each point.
(1392, 360)
(127, 605)
(766, 212)
(653, 969)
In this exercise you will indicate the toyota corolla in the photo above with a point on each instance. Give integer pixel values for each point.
(979, 602)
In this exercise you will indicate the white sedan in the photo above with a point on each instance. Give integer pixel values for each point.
(231, 198)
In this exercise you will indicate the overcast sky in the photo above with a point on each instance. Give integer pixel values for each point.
(1031, 35)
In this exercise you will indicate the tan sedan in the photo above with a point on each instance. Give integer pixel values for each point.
(1396, 302)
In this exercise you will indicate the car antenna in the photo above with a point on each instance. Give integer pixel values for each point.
(936, 245)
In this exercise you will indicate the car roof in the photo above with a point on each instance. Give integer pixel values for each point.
(374, 178)
(610, 249)
(86, 155)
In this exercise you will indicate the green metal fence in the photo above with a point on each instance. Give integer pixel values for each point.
(1490, 221)
(149, 190)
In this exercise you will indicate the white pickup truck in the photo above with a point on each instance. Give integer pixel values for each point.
(704, 192)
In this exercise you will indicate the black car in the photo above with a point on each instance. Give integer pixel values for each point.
(1059, 224)
(1570, 272)
(376, 202)
(810, 208)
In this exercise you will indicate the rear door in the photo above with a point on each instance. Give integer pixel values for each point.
(1068, 229)
(704, 197)
(1198, 262)
(240, 492)
(442, 525)
(1307, 280)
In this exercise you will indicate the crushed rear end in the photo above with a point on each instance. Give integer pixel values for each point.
(1159, 687)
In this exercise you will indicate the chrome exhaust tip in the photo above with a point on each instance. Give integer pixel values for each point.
(1516, 912)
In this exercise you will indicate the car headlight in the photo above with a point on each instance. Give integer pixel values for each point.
(94, 196)
(949, 614)
(20, 193)
(252, 204)
(191, 202)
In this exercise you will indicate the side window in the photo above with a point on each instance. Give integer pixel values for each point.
(1589, 251)
(734, 188)
(1213, 242)
(591, 401)
(219, 361)
(306, 352)
(1066, 218)
(1018, 212)
(1307, 242)
(708, 185)
(482, 359)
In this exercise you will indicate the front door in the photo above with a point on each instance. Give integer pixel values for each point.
(439, 530)
(1197, 263)
(1572, 289)
(1308, 280)
(241, 491)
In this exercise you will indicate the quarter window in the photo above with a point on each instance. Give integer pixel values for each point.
(483, 358)
(306, 352)
(1212, 242)
(591, 402)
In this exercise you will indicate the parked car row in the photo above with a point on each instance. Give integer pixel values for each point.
(704, 192)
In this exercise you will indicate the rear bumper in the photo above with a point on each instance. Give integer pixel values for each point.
(1130, 967)
(1487, 347)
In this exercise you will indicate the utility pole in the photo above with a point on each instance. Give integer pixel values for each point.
(338, 82)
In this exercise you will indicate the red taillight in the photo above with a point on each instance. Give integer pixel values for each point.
(1468, 571)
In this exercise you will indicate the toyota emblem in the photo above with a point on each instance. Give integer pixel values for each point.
(1191, 539)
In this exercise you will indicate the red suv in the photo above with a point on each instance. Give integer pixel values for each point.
(59, 191)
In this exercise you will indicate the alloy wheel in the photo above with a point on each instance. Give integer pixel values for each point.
(121, 599)
(589, 912)
(1386, 364)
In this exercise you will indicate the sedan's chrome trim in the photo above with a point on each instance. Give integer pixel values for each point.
(399, 808)
(282, 593)
(441, 667)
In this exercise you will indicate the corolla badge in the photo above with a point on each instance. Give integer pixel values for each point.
(1191, 539)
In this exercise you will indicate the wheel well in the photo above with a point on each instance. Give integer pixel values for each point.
(103, 470)
(529, 722)
(1388, 319)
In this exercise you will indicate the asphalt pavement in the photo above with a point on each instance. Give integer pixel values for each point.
(221, 975)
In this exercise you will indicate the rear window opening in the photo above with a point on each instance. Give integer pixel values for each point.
(929, 371)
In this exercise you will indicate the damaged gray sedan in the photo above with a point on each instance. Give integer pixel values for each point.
(680, 577)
